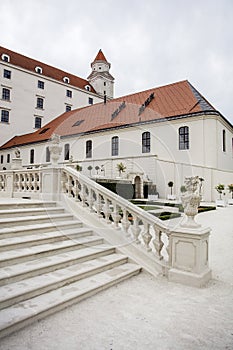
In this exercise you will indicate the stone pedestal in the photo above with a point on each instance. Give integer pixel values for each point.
(50, 183)
(189, 256)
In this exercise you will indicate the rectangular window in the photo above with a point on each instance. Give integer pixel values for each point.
(69, 93)
(68, 108)
(7, 74)
(37, 122)
(115, 146)
(1, 158)
(40, 103)
(90, 101)
(8, 157)
(4, 116)
(40, 84)
(67, 152)
(146, 142)
(89, 149)
(32, 156)
(47, 154)
(183, 137)
(6, 94)
(224, 140)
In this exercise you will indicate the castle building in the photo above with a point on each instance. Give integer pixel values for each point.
(33, 93)
(156, 136)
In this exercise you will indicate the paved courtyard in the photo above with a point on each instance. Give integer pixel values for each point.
(146, 312)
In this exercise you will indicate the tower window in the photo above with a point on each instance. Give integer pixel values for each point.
(7, 74)
(69, 93)
(66, 80)
(183, 137)
(68, 108)
(146, 142)
(90, 101)
(2, 158)
(8, 157)
(115, 146)
(6, 94)
(104, 83)
(4, 116)
(89, 149)
(40, 84)
(40, 103)
(37, 122)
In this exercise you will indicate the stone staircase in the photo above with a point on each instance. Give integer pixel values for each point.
(48, 261)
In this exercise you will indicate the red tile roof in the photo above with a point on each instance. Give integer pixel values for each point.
(48, 71)
(100, 57)
(178, 99)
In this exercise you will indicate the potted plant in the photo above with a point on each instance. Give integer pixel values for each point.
(121, 168)
(97, 168)
(90, 169)
(171, 196)
(220, 202)
(230, 189)
(78, 167)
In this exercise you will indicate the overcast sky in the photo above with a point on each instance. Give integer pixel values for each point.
(149, 43)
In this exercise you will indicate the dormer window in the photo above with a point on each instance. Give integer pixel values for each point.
(66, 80)
(5, 57)
(38, 70)
(88, 88)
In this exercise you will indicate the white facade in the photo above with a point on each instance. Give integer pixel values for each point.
(164, 162)
(29, 100)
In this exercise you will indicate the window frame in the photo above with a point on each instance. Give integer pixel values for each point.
(224, 140)
(68, 108)
(6, 94)
(7, 116)
(7, 74)
(146, 142)
(40, 103)
(90, 100)
(67, 151)
(184, 142)
(47, 155)
(115, 146)
(36, 122)
(89, 149)
(69, 93)
(40, 84)
(32, 156)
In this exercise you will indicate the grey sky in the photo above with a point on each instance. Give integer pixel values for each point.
(149, 43)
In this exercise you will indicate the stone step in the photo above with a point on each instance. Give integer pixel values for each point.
(16, 256)
(25, 204)
(42, 238)
(28, 288)
(20, 212)
(26, 220)
(17, 272)
(25, 312)
(21, 230)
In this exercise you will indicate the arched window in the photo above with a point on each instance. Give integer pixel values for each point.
(146, 142)
(47, 154)
(224, 140)
(115, 146)
(32, 156)
(184, 137)
(67, 151)
(89, 149)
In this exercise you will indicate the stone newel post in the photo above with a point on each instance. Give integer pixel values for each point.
(189, 242)
(55, 149)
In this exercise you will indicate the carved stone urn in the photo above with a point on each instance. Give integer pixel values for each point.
(191, 200)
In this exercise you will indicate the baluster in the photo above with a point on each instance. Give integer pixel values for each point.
(146, 236)
(168, 250)
(76, 190)
(99, 205)
(125, 221)
(107, 210)
(83, 195)
(116, 216)
(136, 229)
(158, 244)
(91, 201)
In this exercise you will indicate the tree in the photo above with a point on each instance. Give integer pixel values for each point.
(230, 189)
(121, 168)
(220, 188)
(90, 169)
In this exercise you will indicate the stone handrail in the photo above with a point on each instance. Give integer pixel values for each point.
(147, 230)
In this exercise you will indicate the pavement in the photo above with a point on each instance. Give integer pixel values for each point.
(148, 312)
